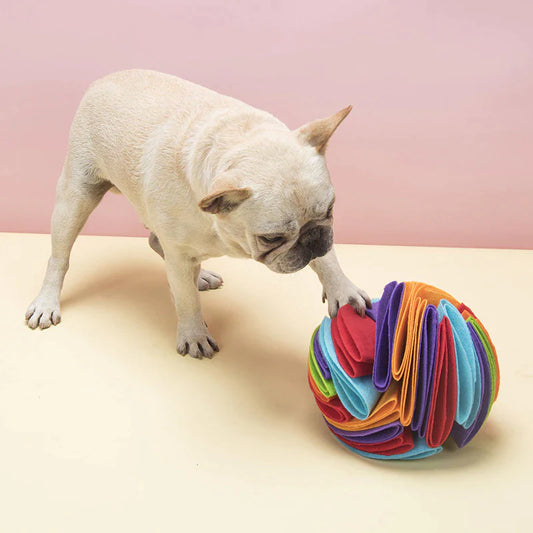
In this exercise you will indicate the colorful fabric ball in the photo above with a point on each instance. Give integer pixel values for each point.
(418, 369)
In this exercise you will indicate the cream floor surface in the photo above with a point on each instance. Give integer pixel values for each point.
(104, 427)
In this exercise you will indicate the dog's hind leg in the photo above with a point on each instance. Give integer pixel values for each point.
(79, 191)
(207, 280)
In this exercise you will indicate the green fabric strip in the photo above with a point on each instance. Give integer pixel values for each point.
(325, 386)
(490, 357)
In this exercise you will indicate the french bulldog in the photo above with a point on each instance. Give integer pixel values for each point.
(209, 175)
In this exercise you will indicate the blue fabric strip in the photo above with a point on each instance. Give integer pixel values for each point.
(468, 370)
(463, 436)
(358, 395)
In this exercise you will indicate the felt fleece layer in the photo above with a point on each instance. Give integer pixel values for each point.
(396, 384)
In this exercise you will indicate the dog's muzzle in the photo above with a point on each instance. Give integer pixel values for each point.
(315, 242)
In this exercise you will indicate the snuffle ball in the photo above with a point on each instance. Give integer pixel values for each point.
(417, 370)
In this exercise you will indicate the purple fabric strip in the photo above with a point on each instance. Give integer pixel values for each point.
(394, 311)
(370, 436)
(373, 313)
(385, 329)
(459, 434)
(380, 376)
(426, 368)
(319, 356)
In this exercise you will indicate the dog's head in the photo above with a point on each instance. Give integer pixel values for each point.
(275, 201)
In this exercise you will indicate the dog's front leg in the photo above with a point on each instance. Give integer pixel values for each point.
(338, 290)
(182, 272)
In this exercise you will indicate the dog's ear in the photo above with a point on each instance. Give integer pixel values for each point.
(318, 132)
(224, 195)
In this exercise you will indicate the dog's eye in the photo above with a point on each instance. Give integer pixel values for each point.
(271, 240)
(329, 212)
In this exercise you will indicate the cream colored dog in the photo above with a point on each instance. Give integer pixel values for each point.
(210, 176)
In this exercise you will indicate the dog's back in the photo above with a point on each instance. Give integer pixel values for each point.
(121, 112)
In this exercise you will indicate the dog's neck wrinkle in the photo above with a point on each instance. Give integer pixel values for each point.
(213, 143)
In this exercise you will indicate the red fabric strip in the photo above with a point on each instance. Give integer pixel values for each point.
(400, 444)
(354, 339)
(444, 393)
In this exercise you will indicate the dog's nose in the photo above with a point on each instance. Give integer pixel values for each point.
(318, 241)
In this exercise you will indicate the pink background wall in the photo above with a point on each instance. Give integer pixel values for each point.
(439, 147)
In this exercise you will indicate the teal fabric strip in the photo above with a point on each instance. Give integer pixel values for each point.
(358, 395)
(468, 370)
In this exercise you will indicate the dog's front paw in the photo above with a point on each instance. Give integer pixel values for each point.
(208, 280)
(196, 341)
(345, 292)
(43, 312)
